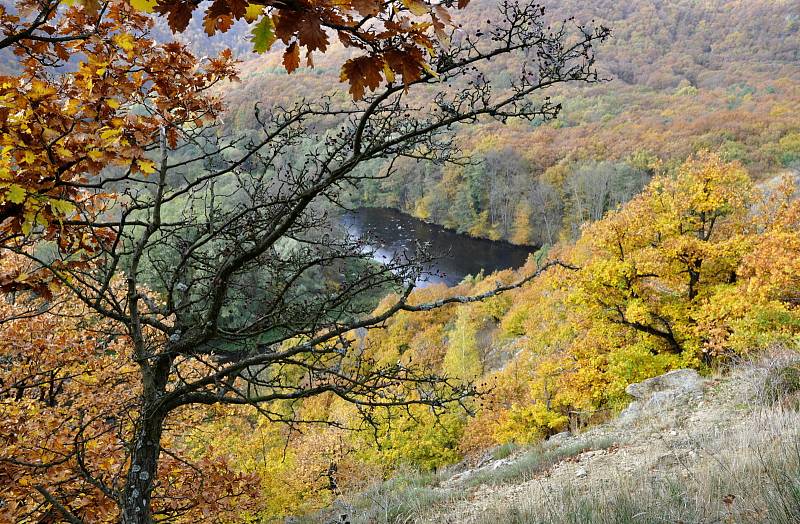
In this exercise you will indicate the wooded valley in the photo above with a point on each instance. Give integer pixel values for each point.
(190, 333)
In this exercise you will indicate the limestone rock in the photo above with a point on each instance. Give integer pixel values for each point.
(661, 393)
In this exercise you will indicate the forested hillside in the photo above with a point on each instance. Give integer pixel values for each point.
(682, 76)
(683, 275)
(659, 287)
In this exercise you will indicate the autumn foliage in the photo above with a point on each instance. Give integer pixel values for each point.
(59, 132)
(393, 40)
(68, 397)
(686, 262)
(697, 269)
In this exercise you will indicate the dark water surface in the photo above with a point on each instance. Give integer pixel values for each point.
(394, 232)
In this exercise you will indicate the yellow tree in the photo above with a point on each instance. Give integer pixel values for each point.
(762, 308)
(463, 358)
(648, 265)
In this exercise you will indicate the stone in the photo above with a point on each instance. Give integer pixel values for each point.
(558, 439)
(662, 392)
(580, 473)
(499, 464)
(686, 381)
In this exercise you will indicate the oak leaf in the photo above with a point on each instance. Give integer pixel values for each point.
(311, 35)
(263, 35)
(417, 7)
(362, 72)
(367, 7)
(291, 57)
(179, 13)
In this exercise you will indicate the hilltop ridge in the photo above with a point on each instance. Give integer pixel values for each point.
(721, 75)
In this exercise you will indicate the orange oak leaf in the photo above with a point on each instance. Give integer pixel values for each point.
(179, 13)
(362, 72)
(291, 57)
(367, 7)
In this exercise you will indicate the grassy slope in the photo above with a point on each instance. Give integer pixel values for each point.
(731, 456)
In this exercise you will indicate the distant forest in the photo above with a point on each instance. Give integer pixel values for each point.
(683, 77)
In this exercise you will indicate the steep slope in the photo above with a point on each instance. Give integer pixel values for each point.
(687, 450)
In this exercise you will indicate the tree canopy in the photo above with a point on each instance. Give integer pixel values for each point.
(203, 264)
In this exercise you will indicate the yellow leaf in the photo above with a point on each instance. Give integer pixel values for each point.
(416, 7)
(125, 41)
(110, 134)
(146, 166)
(143, 5)
(15, 194)
(64, 153)
(429, 70)
(253, 11)
(27, 224)
(388, 73)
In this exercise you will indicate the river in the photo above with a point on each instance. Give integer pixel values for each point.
(393, 232)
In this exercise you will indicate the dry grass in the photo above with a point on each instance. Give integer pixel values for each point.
(746, 473)
(738, 461)
(752, 476)
(397, 500)
(536, 460)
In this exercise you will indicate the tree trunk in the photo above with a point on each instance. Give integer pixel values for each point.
(146, 447)
(694, 277)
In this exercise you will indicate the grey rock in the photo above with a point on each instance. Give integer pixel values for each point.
(500, 464)
(560, 437)
(686, 381)
(661, 393)
(487, 458)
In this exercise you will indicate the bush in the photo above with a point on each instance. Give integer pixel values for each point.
(782, 384)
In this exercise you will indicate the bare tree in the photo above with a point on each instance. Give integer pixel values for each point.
(503, 170)
(549, 211)
(231, 241)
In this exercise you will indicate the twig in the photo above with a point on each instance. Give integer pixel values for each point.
(70, 516)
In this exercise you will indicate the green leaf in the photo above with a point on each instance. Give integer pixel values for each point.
(15, 194)
(62, 207)
(27, 224)
(263, 35)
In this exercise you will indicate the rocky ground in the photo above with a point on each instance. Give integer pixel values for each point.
(679, 427)
(687, 449)
(666, 427)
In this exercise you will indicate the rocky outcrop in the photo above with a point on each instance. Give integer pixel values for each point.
(662, 393)
(680, 430)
